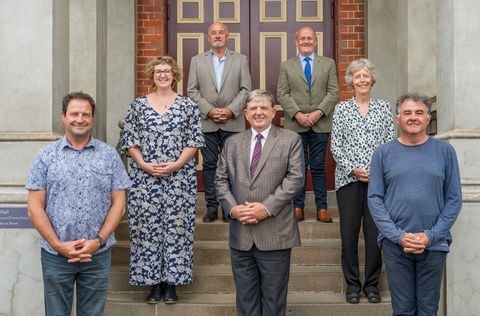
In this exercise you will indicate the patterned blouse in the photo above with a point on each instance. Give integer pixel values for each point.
(355, 137)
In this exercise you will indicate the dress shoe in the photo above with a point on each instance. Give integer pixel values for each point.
(373, 297)
(208, 219)
(170, 294)
(156, 294)
(353, 297)
(323, 216)
(225, 219)
(299, 215)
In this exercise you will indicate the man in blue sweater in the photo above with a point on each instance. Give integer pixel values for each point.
(414, 196)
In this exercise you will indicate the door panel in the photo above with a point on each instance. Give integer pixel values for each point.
(263, 30)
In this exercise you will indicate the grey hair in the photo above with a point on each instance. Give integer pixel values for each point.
(357, 65)
(260, 94)
(416, 97)
(218, 22)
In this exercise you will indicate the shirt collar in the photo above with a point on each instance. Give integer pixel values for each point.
(264, 133)
(213, 54)
(65, 143)
(312, 57)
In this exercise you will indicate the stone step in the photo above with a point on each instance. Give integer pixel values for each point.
(305, 304)
(219, 279)
(312, 252)
(309, 229)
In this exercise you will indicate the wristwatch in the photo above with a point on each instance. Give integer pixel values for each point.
(101, 241)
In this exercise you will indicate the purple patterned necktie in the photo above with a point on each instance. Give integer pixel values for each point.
(257, 152)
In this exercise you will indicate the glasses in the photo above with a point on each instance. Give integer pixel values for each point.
(165, 72)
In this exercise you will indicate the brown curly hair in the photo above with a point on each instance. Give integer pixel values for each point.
(163, 60)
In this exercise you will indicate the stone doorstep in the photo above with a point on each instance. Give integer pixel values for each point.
(309, 229)
(312, 252)
(305, 304)
(219, 279)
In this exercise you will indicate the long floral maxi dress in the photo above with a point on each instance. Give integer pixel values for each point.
(161, 211)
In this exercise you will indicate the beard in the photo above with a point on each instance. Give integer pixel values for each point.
(217, 44)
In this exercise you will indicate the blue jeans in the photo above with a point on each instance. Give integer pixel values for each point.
(414, 280)
(314, 150)
(59, 278)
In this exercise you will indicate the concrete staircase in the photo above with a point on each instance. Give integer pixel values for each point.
(316, 281)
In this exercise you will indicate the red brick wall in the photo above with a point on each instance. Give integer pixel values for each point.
(350, 38)
(151, 37)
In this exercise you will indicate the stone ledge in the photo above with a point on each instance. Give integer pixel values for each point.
(13, 194)
(459, 134)
(33, 137)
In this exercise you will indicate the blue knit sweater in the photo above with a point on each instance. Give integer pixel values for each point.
(414, 189)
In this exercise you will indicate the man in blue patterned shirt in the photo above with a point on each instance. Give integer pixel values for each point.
(76, 199)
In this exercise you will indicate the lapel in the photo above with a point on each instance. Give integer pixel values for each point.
(316, 68)
(227, 67)
(297, 65)
(245, 148)
(211, 69)
(266, 150)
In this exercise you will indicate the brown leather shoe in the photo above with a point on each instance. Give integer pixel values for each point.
(323, 216)
(299, 215)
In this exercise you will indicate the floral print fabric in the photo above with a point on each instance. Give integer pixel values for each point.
(161, 211)
(355, 137)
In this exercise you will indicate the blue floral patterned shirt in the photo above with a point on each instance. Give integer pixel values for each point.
(79, 184)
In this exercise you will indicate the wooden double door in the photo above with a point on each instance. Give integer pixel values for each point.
(263, 30)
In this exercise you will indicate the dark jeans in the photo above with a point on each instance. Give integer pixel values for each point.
(91, 280)
(261, 281)
(414, 280)
(213, 145)
(314, 150)
(354, 212)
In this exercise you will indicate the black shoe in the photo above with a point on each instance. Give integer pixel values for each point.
(156, 294)
(353, 297)
(208, 219)
(225, 219)
(374, 297)
(170, 294)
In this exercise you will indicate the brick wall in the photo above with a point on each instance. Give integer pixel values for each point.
(151, 37)
(350, 38)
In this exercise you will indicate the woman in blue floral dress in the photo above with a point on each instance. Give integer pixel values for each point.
(162, 134)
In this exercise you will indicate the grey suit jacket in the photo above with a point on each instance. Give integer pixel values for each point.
(236, 84)
(277, 179)
(294, 95)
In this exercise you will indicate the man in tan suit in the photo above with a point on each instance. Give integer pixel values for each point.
(259, 173)
(219, 81)
(308, 91)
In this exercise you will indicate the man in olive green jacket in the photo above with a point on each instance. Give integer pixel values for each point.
(308, 91)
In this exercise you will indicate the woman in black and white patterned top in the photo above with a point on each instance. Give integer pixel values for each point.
(360, 125)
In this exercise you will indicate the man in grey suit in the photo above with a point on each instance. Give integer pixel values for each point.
(259, 173)
(308, 91)
(219, 81)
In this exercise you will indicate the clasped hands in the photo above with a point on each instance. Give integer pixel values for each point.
(159, 170)
(308, 119)
(361, 174)
(220, 115)
(249, 213)
(80, 250)
(415, 243)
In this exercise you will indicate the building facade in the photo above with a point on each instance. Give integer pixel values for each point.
(51, 47)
